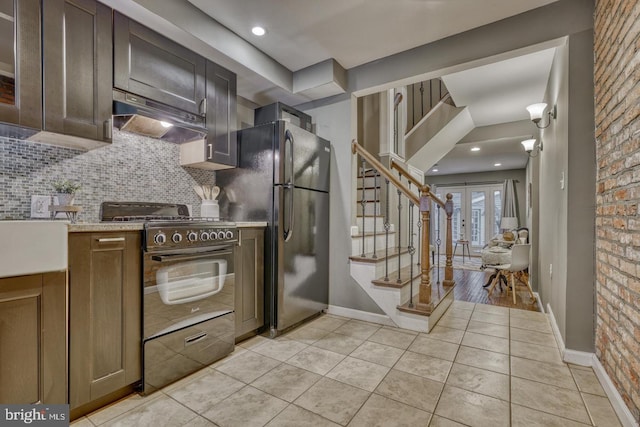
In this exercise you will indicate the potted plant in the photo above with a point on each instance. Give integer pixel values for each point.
(66, 191)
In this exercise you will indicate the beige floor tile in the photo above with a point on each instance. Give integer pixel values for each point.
(446, 334)
(587, 381)
(380, 411)
(394, 338)
(280, 349)
(334, 400)
(497, 319)
(237, 351)
(419, 392)
(492, 361)
(449, 321)
(492, 309)
(548, 373)
(357, 329)
(161, 410)
(480, 381)
(329, 323)
(547, 398)
(424, 344)
(381, 354)
(536, 352)
(307, 334)
(338, 343)
(295, 416)
(286, 382)
(533, 337)
(247, 407)
(199, 421)
(248, 366)
(359, 373)
(527, 314)
(491, 329)
(424, 366)
(465, 305)
(437, 421)
(525, 417)
(317, 360)
(82, 422)
(205, 391)
(119, 407)
(459, 313)
(600, 411)
(472, 408)
(541, 325)
(253, 342)
(486, 342)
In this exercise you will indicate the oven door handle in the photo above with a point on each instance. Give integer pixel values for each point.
(190, 257)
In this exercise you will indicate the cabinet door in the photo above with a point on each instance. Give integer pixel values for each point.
(104, 312)
(221, 146)
(20, 64)
(77, 68)
(33, 364)
(152, 66)
(249, 281)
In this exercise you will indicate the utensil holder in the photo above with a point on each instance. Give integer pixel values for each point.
(210, 209)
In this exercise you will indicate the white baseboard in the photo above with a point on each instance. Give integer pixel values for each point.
(539, 302)
(590, 359)
(626, 418)
(365, 316)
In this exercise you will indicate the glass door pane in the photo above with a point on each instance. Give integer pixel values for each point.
(478, 218)
(497, 212)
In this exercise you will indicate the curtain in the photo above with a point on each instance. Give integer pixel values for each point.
(509, 209)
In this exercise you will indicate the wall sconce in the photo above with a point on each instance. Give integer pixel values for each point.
(530, 145)
(536, 111)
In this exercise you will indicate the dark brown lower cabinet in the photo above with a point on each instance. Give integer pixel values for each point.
(249, 271)
(33, 339)
(104, 317)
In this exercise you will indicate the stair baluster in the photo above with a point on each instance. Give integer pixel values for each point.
(387, 226)
(412, 251)
(419, 238)
(438, 241)
(363, 203)
(376, 197)
(399, 233)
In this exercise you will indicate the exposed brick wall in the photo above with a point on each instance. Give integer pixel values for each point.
(617, 109)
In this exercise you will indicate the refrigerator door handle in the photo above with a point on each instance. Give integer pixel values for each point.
(289, 185)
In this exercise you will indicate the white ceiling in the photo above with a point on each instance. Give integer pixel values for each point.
(353, 32)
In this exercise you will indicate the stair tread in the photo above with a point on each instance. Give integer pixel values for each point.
(393, 277)
(370, 233)
(438, 294)
(380, 255)
(369, 188)
(367, 201)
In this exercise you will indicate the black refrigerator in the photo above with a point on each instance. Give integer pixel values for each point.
(283, 179)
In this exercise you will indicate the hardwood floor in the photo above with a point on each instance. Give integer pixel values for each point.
(469, 288)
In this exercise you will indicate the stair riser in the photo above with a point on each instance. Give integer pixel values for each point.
(369, 222)
(406, 291)
(370, 182)
(393, 264)
(369, 209)
(356, 243)
(369, 194)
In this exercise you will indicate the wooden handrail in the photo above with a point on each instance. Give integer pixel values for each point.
(423, 188)
(356, 148)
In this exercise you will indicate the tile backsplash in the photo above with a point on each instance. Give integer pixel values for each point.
(132, 168)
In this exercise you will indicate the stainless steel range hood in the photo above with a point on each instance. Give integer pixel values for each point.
(136, 114)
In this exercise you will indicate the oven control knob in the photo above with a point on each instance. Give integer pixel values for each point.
(192, 236)
(213, 235)
(204, 236)
(160, 238)
(220, 235)
(176, 238)
(228, 234)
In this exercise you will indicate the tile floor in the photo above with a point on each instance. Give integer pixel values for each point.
(480, 366)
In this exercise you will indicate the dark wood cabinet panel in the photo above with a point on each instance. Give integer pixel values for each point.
(221, 145)
(33, 363)
(249, 265)
(152, 66)
(77, 68)
(105, 311)
(21, 94)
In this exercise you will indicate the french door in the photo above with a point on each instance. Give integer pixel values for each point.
(476, 213)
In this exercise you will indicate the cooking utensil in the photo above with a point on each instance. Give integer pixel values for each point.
(199, 191)
(207, 191)
(215, 191)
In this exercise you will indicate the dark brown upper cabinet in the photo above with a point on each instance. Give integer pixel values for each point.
(152, 66)
(221, 145)
(78, 67)
(20, 63)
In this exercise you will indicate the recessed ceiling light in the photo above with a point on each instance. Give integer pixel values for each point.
(434, 170)
(497, 164)
(475, 149)
(258, 31)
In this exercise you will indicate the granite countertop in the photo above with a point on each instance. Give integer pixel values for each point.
(251, 224)
(105, 226)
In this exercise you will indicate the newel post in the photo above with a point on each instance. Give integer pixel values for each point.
(448, 267)
(424, 297)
